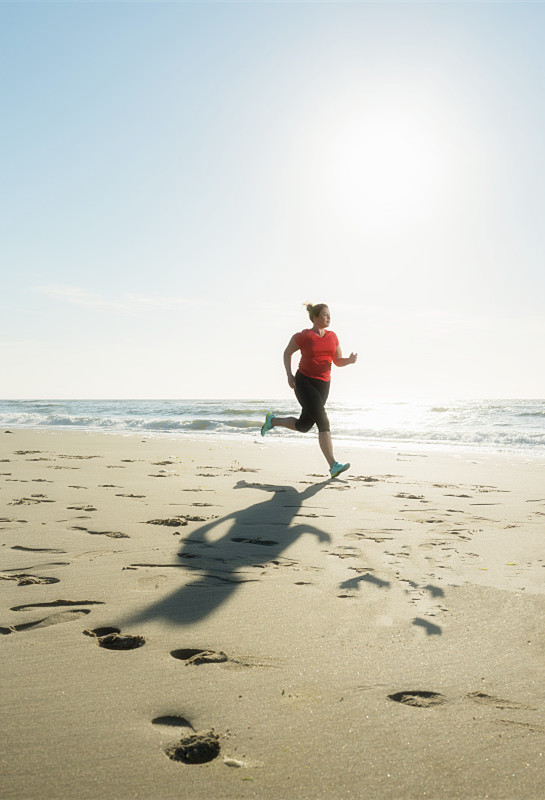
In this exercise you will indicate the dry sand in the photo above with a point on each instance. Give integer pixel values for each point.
(376, 636)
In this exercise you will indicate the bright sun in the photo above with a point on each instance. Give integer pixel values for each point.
(385, 165)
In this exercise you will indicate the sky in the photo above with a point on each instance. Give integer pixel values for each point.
(180, 178)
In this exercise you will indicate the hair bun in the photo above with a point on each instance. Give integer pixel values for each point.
(315, 311)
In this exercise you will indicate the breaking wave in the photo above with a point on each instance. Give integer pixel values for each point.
(493, 424)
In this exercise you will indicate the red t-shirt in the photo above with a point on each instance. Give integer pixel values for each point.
(317, 353)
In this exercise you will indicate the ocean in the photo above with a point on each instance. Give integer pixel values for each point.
(482, 425)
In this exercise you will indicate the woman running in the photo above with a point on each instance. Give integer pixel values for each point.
(319, 347)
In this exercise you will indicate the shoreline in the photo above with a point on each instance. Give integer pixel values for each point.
(380, 630)
(510, 427)
(294, 440)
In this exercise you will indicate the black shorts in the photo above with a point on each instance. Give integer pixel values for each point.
(312, 393)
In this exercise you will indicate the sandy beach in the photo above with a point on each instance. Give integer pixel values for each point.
(185, 618)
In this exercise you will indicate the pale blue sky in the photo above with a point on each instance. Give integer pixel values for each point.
(178, 178)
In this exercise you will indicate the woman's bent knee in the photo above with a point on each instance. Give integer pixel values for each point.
(323, 423)
(303, 427)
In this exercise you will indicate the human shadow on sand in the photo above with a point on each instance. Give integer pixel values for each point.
(353, 584)
(256, 537)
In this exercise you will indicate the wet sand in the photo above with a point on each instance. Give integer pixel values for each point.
(207, 619)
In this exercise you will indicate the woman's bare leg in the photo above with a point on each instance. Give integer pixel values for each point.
(326, 445)
(284, 422)
(324, 437)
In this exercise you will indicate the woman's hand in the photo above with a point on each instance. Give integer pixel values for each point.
(339, 361)
(291, 381)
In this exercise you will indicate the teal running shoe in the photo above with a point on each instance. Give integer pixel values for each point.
(337, 468)
(268, 423)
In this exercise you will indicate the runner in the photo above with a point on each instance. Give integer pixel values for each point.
(319, 349)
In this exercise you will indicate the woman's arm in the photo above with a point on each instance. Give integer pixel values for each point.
(339, 361)
(292, 348)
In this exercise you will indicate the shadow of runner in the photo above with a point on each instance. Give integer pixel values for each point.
(352, 583)
(257, 535)
(431, 629)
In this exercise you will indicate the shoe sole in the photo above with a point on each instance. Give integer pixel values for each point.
(346, 466)
(264, 428)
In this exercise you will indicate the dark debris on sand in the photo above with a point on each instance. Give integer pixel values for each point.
(199, 748)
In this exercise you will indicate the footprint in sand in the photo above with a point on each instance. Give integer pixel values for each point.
(193, 747)
(58, 603)
(172, 522)
(81, 458)
(497, 702)
(418, 698)
(54, 619)
(112, 639)
(32, 500)
(342, 552)
(236, 467)
(111, 534)
(24, 579)
(198, 748)
(170, 722)
(194, 656)
(105, 630)
(197, 656)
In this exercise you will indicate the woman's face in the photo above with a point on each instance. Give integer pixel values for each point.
(323, 319)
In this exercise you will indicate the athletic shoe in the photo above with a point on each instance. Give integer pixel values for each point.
(337, 468)
(268, 423)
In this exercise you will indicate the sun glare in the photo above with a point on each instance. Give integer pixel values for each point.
(385, 166)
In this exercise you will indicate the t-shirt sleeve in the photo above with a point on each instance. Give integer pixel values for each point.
(298, 338)
(335, 340)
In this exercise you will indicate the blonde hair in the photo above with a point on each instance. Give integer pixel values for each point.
(315, 311)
